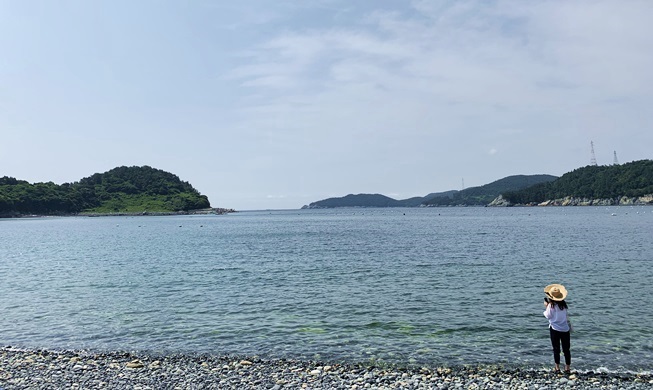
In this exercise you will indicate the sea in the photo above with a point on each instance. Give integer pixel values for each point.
(408, 286)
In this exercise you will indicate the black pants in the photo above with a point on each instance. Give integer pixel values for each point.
(558, 338)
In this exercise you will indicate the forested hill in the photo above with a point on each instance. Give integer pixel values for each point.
(359, 200)
(481, 196)
(122, 189)
(471, 196)
(607, 183)
(372, 200)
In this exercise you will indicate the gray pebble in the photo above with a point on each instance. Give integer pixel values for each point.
(21, 369)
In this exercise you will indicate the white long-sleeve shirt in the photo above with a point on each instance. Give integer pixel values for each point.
(557, 318)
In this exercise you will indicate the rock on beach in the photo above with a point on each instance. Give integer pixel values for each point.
(42, 369)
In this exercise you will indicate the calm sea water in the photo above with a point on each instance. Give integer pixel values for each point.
(427, 286)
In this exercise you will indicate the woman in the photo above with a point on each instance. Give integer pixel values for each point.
(556, 313)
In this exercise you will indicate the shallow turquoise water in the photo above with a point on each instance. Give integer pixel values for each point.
(434, 286)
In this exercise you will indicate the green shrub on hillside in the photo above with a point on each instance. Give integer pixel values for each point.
(122, 189)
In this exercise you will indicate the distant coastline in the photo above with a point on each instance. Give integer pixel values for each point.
(628, 184)
(208, 211)
(646, 200)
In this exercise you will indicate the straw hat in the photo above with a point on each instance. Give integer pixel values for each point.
(557, 292)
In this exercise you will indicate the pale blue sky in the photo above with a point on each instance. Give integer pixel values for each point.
(275, 104)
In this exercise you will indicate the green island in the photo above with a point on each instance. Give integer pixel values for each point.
(122, 190)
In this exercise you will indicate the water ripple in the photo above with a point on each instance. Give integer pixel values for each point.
(441, 286)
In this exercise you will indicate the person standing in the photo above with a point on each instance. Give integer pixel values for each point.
(559, 328)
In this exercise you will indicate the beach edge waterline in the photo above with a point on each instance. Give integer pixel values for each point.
(53, 369)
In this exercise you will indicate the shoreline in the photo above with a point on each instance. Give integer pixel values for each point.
(210, 211)
(51, 369)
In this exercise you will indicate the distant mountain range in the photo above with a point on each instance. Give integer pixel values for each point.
(472, 196)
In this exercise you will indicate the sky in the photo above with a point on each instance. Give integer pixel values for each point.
(276, 104)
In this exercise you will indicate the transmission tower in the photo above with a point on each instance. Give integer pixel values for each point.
(616, 162)
(593, 156)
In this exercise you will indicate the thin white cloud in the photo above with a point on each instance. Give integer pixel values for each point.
(336, 97)
(424, 77)
(464, 56)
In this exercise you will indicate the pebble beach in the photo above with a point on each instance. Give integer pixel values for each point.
(43, 369)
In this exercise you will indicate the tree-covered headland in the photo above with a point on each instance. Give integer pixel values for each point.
(482, 195)
(609, 182)
(120, 190)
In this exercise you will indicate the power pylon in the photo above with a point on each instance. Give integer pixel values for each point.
(616, 162)
(593, 156)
